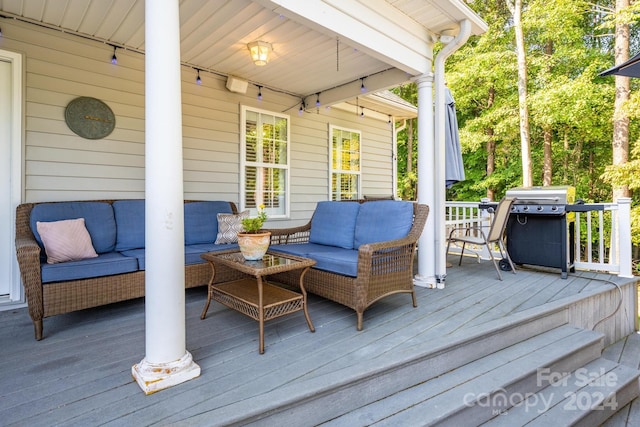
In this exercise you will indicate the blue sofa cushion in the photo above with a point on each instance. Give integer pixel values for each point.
(329, 258)
(98, 218)
(301, 249)
(383, 220)
(334, 224)
(191, 253)
(339, 261)
(201, 221)
(130, 219)
(104, 265)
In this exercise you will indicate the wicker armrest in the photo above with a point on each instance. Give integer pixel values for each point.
(281, 236)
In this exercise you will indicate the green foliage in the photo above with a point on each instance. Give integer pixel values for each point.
(253, 225)
(569, 42)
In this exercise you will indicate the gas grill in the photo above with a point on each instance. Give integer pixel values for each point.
(540, 230)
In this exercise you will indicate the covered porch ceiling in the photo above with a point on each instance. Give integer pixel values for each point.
(326, 47)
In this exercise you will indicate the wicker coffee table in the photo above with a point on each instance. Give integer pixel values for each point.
(254, 296)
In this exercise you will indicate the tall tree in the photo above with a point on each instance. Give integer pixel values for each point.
(515, 6)
(620, 117)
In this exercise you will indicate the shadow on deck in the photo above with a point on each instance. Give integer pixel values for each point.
(400, 370)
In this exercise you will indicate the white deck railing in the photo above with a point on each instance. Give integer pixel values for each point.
(602, 237)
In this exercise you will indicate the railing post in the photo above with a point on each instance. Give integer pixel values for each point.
(624, 234)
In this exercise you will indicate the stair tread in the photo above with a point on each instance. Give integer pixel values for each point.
(446, 394)
(566, 402)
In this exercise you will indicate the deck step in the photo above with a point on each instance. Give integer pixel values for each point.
(481, 390)
(323, 396)
(588, 396)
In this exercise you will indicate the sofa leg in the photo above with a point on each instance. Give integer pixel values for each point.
(37, 325)
(360, 316)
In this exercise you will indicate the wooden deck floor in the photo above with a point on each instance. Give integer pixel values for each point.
(80, 374)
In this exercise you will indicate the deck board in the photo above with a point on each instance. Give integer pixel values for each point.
(80, 373)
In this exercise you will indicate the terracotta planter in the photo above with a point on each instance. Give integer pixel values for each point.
(254, 245)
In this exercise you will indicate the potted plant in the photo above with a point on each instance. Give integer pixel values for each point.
(254, 241)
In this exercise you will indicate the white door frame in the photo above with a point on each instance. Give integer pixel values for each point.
(15, 119)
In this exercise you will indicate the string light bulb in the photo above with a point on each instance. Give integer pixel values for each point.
(362, 88)
(362, 112)
(114, 58)
(259, 93)
(389, 122)
(318, 99)
(302, 108)
(198, 79)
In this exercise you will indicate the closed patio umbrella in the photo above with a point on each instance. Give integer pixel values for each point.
(454, 168)
(630, 68)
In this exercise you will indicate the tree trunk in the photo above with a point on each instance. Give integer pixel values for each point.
(409, 146)
(620, 119)
(491, 147)
(515, 6)
(547, 166)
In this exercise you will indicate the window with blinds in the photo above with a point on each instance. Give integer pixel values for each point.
(265, 162)
(345, 163)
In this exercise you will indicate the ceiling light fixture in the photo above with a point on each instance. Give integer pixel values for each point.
(447, 36)
(260, 52)
(114, 59)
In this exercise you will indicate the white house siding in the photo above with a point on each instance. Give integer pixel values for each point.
(59, 165)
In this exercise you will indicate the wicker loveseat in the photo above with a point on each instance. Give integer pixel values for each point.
(363, 251)
(116, 229)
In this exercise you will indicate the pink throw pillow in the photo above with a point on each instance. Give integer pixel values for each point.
(66, 240)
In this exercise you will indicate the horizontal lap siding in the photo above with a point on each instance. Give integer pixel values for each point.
(60, 165)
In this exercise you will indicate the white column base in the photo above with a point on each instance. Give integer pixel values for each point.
(424, 281)
(152, 377)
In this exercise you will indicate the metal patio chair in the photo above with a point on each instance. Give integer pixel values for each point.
(495, 236)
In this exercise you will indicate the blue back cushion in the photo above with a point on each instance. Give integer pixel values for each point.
(383, 220)
(130, 219)
(334, 224)
(201, 221)
(98, 218)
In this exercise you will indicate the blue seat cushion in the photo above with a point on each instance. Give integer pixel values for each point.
(201, 221)
(130, 224)
(191, 253)
(329, 258)
(383, 220)
(98, 218)
(334, 224)
(104, 265)
(339, 261)
(301, 249)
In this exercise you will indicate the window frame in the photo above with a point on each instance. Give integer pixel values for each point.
(332, 171)
(244, 162)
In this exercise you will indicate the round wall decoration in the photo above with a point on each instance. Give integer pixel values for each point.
(89, 117)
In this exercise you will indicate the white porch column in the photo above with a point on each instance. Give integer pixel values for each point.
(435, 272)
(166, 361)
(624, 236)
(426, 181)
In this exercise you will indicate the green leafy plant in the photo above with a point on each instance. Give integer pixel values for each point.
(253, 225)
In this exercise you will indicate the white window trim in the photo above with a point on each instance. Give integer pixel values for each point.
(243, 159)
(332, 170)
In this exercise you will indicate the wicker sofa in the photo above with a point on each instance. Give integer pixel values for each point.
(364, 251)
(116, 229)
